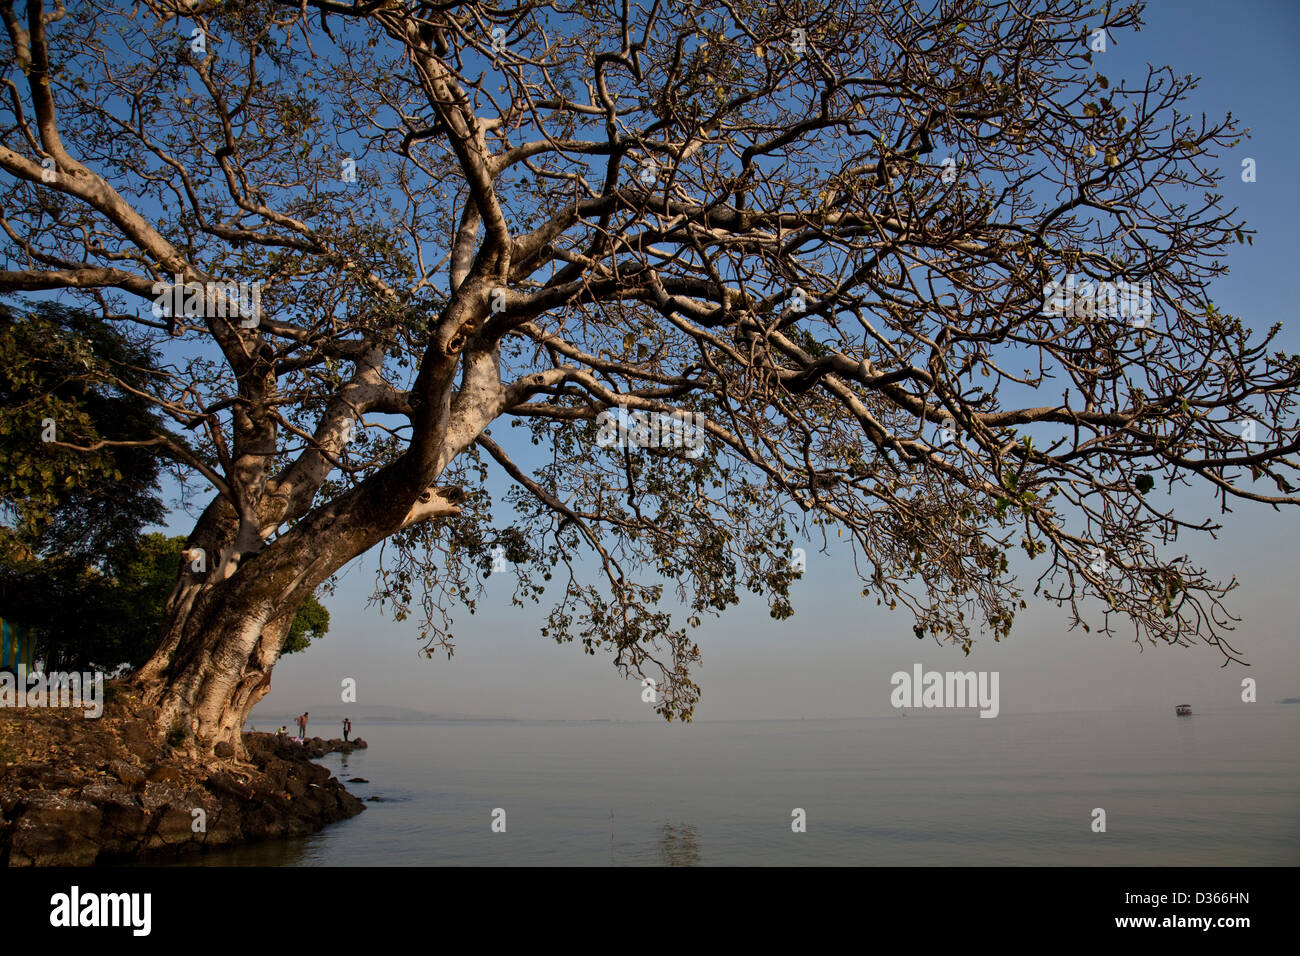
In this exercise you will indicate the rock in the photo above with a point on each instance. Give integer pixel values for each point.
(110, 791)
(54, 830)
(225, 750)
(137, 738)
(173, 826)
(357, 780)
(376, 799)
(316, 747)
(128, 774)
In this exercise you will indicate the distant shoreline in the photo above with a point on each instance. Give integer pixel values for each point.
(259, 722)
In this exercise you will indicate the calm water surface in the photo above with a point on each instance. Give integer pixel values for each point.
(1220, 788)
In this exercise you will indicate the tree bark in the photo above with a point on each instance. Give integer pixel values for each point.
(217, 670)
(223, 632)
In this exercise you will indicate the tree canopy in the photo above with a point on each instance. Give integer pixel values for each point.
(71, 480)
(921, 273)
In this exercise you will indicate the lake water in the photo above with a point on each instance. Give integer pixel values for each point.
(1219, 788)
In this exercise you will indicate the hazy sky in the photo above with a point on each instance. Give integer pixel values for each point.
(834, 658)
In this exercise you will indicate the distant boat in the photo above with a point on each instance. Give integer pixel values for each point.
(1183, 710)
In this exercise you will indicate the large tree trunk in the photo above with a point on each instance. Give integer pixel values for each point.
(218, 670)
(222, 638)
(224, 628)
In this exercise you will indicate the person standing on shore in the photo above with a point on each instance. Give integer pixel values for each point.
(302, 726)
(347, 729)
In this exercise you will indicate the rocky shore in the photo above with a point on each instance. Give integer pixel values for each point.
(75, 792)
(316, 747)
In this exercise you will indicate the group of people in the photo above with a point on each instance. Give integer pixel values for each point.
(301, 720)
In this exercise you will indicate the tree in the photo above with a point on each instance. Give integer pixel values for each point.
(69, 382)
(310, 623)
(824, 235)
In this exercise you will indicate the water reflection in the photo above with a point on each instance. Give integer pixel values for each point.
(279, 852)
(679, 845)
